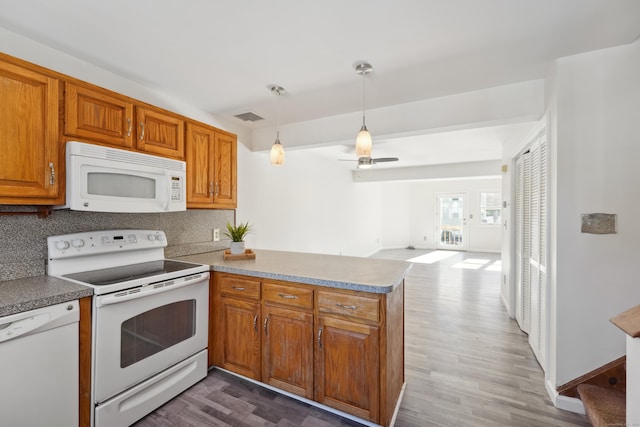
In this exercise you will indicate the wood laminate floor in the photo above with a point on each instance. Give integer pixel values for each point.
(467, 363)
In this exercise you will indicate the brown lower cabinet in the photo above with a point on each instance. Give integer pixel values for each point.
(344, 349)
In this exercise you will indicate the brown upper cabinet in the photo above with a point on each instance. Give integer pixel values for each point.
(90, 114)
(30, 170)
(41, 109)
(211, 168)
(106, 117)
(159, 132)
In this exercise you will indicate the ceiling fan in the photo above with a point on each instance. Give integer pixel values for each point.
(367, 162)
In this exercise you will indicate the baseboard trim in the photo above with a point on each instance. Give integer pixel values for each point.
(392, 423)
(571, 404)
(507, 307)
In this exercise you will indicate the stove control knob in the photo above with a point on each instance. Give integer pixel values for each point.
(62, 245)
(78, 243)
(160, 237)
(152, 237)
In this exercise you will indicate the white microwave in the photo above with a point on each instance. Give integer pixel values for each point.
(103, 179)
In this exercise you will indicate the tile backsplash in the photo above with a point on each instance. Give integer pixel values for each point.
(23, 238)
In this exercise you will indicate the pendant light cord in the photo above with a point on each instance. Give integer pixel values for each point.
(363, 97)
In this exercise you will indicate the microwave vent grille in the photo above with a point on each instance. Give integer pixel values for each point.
(130, 157)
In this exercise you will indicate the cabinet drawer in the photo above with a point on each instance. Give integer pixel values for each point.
(240, 287)
(288, 295)
(349, 305)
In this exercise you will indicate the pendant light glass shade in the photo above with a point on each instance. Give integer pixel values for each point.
(277, 150)
(363, 143)
(363, 140)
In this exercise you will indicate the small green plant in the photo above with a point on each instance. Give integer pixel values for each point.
(238, 232)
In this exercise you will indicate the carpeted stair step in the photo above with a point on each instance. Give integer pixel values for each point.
(604, 406)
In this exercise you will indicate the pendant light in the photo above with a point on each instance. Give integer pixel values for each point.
(363, 140)
(277, 150)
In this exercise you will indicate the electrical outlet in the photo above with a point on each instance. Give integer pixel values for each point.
(425, 238)
(216, 234)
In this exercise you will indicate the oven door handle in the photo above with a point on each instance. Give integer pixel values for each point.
(151, 289)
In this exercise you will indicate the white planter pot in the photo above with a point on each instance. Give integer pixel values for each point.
(237, 248)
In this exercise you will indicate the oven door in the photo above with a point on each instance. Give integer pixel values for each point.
(144, 331)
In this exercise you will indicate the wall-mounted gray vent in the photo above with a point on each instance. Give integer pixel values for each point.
(249, 117)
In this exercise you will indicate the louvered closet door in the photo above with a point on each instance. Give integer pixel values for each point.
(522, 294)
(531, 245)
(543, 306)
(534, 252)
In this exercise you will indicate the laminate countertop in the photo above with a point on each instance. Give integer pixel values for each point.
(21, 295)
(343, 272)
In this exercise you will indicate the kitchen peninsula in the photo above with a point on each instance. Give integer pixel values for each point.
(327, 328)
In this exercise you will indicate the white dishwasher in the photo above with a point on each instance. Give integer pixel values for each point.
(39, 367)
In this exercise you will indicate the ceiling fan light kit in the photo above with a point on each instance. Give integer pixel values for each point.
(277, 150)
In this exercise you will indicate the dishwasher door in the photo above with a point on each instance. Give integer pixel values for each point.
(39, 367)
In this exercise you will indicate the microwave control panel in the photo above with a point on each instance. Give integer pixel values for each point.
(176, 188)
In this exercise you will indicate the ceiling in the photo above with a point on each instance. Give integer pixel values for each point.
(220, 56)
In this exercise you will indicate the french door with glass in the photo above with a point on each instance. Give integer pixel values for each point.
(451, 220)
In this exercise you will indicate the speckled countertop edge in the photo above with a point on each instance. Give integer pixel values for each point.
(17, 296)
(353, 273)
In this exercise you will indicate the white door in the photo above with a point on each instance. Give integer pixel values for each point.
(452, 214)
(531, 245)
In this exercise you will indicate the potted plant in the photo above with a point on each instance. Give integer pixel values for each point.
(237, 234)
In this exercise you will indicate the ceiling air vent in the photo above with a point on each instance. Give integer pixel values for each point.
(249, 117)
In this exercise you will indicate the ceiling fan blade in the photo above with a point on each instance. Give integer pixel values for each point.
(385, 159)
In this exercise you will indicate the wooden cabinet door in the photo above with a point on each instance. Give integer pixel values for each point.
(29, 151)
(287, 342)
(225, 170)
(240, 336)
(94, 115)
(347, 367)
(200, 164)
(159, 133)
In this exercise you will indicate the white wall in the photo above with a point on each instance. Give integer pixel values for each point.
(308, 205)
(598, 149)
(396, 214)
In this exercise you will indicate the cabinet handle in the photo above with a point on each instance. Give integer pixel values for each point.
(239, 288)
(287, 296)
(128, 127)
(210, 188)
(255, 323)
(52, 176)
(217, 189)
(320, 337)
(349, 307)
(266, 321)
(141, 131)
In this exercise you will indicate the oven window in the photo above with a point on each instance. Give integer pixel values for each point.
(155, 330)
(121, 185)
